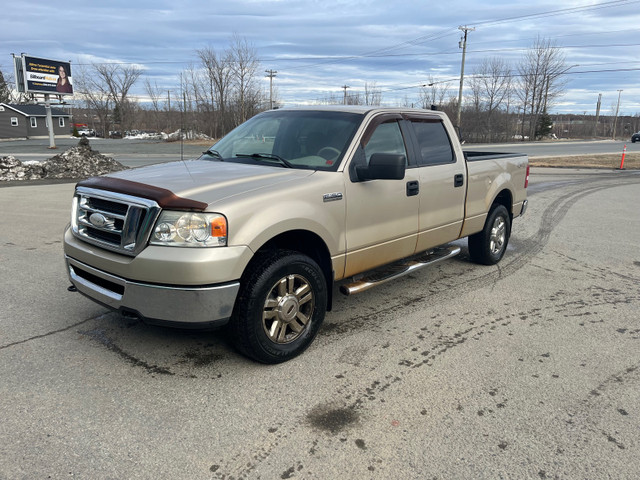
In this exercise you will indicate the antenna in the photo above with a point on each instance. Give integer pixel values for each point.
(182, 119)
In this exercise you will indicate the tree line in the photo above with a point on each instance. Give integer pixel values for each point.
(221, 89)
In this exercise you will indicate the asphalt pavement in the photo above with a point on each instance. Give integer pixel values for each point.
(527, 369)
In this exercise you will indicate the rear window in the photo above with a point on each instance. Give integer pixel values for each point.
(433, 142)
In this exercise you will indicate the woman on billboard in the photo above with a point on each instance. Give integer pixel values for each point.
(63, 85)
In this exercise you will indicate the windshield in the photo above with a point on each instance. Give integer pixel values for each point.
(291, 138)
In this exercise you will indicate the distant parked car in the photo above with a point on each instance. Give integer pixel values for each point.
(87, 132)
(635, 137)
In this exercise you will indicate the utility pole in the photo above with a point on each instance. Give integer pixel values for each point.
(615, 120)
(344, 101)
(462, 44)
(271, 74)
(595, 127)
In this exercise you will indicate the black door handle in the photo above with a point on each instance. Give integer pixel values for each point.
(458, 180)
(413, 188)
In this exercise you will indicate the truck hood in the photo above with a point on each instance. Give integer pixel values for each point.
(210, 181)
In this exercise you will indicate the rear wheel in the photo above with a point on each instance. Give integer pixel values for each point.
(488, 246)
(280, 307)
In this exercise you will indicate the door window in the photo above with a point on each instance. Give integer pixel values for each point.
(433, 142)
(387, 138)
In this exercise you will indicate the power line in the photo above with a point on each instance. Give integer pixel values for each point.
(555, 13)
(383, 52)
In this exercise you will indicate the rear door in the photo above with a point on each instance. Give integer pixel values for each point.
(382, 215)
(442, 178)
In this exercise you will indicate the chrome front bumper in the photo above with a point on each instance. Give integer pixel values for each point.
(206, 305)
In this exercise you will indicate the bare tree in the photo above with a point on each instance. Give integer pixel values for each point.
(491, 86)
(118, 80)
(96, 97)
(540, 80)
(155, 94)
(191, 95)
(219, 71)
(331, 99)
(244, 67)
(372, 94)
(9, 94)
(434, 93)
(354, 98)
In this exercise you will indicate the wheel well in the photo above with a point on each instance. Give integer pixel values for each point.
(506, 199)
(310, 244)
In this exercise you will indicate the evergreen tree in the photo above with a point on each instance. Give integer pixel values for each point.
(544, 126)
(5, 93)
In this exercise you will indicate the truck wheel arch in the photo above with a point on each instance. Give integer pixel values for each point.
(505, 198)
(307, 243)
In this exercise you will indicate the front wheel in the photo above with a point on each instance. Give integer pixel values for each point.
(488, 246)
(280, 307)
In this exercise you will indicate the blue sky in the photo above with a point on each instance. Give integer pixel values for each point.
(318, 46)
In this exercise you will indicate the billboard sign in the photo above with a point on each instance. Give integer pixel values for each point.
(46, 76)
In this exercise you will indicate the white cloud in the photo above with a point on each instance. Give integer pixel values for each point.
(318, 46)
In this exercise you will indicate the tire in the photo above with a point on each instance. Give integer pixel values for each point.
(488, 246)
(280, 307)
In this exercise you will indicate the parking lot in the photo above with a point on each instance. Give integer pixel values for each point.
(528, 369)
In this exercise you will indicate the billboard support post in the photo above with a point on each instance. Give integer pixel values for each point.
(47, 107)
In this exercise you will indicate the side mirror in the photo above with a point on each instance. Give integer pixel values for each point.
(383, 166)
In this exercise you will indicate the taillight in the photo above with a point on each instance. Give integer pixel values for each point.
(526, 178)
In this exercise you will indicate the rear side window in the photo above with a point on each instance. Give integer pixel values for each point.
(433, 142)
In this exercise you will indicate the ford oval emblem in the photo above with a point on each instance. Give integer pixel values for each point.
(98, 220)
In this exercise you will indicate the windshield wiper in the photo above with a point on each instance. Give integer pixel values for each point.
(266, 156)
(213, 153)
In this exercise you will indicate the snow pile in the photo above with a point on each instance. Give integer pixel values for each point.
(77, 162)
(146, 136)
(187, 135)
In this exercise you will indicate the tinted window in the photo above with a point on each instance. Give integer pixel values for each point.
(433, 141)
(387, 138)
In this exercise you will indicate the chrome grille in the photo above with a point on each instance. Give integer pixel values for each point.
(113, 221)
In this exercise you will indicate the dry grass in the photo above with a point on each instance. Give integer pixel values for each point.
(612, 160)
(203, 142)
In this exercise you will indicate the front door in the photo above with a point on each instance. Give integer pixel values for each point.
(382, 215)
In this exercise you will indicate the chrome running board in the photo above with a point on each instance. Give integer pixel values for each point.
(396, 270)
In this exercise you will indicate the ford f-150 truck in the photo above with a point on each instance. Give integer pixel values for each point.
(256, 232)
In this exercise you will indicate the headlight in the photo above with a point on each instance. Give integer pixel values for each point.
(190, 229)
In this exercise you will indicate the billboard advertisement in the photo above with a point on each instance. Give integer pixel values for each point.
(47, 76)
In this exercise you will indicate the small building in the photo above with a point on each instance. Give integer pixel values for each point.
(30, 121)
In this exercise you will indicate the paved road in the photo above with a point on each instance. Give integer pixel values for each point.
(132, 153)
(135, 153)
(559, 148)
(530, 369)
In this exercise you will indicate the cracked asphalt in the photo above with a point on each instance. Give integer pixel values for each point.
(527, 369)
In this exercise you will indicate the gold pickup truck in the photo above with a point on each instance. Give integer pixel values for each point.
(256, 232)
